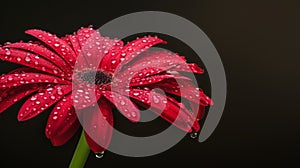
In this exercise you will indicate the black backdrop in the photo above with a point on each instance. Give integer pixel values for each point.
(259, 45)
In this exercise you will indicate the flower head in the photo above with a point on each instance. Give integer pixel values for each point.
(87, 72)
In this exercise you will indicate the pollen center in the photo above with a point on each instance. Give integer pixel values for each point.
(95, 77)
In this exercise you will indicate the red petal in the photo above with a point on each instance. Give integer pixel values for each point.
(124, 104)
(75, 43)
(134, 48)
(93, 49)
(98, 125)
(153, 61)
(83, 34)
(16, 79)
(185, 89)
(153, 79)
(30, 60)
(85, 95)
(55, 43)
(168, 108)
(41, 101)
(43, 52)
(192, 68)
(64, 137)
(112, 57)
(61, 118)
(10, 96)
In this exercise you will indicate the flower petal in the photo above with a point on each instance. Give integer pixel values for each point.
(170, 113)
(61, 118)
(124, 105)
(10, 96)
(83, 34)
(94, 48)
(17, 79)
(191, 68)
(85, 95)
(30, 60)
(59, 46)
(153, 79)
(41, 101)
(133, 49)
(98, 125)
(65, 136)
(183, 88)
(155, 62)
(43, 52)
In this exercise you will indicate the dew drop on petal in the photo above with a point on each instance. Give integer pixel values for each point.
(155, 99)
(33, 98)
(52, 97)
(10, 78)
(27, 59)
(60, 92)
(56, 45)
(19, 59)
(122, 102)
(54, 117)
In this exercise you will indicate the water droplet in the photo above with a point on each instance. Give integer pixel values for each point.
(19, 59)
(136, 93)
(10, 78)
(80, 91)
(54, 117)
(56, 45)
(99, 155)
(7, 52)
(52, 97)
(37, 102)
(113, 61)
(133, 114)
(155, 99)
(194, 135)
(59, 92)
(55, 71)
(27, 59)
(33, 98)
(122, 102)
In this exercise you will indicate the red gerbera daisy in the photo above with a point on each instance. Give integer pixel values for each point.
(64, 73)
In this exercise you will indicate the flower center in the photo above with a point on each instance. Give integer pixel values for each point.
(95, 77)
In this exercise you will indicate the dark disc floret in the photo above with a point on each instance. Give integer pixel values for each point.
(95, 77)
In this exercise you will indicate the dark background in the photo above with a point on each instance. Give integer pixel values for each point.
(258, 42)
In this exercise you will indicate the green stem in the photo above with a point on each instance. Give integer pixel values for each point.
(81, 153)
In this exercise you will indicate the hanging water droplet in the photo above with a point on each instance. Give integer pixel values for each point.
(194, 135)
(99, 155)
